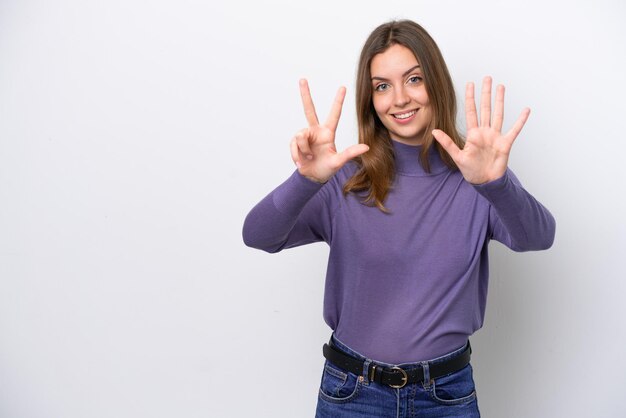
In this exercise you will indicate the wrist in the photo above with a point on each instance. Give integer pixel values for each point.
(315, 180)
(312, 179)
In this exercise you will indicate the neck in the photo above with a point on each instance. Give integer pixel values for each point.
(407, 159)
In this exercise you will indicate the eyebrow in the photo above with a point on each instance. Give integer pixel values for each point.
(403, 75)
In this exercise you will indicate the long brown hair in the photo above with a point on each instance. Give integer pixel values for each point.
(377, 166)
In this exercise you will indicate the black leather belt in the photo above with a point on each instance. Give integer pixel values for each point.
(395, 376)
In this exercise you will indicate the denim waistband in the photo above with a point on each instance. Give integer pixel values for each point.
(347, 350)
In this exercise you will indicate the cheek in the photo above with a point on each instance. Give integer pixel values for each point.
(421, 96)
(380, 106)
(428, 115)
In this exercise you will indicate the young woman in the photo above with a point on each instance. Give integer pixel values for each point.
(408, 213)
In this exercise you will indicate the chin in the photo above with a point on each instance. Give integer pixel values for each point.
(413, 138)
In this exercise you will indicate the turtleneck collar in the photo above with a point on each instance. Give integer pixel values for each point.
(407, 160)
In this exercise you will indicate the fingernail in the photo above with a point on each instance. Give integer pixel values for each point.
(309, 157)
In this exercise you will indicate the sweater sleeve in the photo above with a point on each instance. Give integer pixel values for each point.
(516, 218)
(295, 213)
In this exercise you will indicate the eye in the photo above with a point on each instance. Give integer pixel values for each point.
(381, 87)
(414, 79)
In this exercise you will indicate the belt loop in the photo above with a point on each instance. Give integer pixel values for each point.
(426, 372)
(366, 369)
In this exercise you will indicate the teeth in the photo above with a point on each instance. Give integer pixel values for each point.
(405, 115)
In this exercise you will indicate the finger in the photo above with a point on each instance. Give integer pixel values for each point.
(335, 111)
(307, 102)
(518, 125)
(295, 155)
(471, 118)
(485, 103)
(447, 143)
(302, 140)
(498, 112)
(349, 153)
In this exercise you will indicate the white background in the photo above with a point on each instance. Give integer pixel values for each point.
(135, 136)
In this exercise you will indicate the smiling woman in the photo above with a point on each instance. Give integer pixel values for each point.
(408, 213)
(400, 96)
(405, 52)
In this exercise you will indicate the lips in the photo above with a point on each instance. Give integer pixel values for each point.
(405, 115)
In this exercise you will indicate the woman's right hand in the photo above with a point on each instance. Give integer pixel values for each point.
(313, 149)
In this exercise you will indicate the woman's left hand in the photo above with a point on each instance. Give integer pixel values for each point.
(485, 156)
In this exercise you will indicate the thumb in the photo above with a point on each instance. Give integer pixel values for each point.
(447, 143)
(351, 152)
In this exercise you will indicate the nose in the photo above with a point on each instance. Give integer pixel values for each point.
(401, 98)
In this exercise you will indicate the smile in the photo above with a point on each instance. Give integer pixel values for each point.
(404, 116)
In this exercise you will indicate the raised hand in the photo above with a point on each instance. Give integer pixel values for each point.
(313, 149)
(485, 155)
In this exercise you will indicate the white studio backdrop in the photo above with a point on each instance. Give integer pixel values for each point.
(135, 136)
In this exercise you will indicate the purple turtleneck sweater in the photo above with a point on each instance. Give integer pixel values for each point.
(410, 285)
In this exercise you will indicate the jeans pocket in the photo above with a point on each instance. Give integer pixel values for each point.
(338, 386)
(454, 389)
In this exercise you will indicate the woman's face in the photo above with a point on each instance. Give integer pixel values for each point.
(399, 94)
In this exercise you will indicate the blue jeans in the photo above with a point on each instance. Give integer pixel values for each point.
(343, 394)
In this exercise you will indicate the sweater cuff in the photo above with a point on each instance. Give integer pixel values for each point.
(501, 193)
(291, 196)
